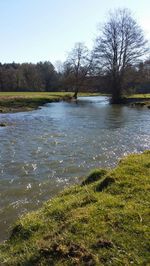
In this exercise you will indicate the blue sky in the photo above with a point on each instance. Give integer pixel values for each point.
(39, 30)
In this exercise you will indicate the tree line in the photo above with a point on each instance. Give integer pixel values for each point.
(28, 77)
(117, 64)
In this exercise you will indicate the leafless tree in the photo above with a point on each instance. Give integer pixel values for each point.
(121, 43)
(79, 62)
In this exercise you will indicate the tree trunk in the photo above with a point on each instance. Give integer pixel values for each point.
(116, 90)
(76, 93)
(116, 98)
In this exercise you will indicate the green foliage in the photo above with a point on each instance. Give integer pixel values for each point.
(87, 226)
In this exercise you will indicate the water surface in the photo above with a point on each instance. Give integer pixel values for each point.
(47, 149)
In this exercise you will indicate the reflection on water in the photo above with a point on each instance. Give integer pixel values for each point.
(45, 150)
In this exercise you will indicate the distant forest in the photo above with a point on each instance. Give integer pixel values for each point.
(43, 76)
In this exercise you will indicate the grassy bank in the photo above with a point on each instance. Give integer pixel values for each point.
(141, 100)
(27, 101)
(103, 221)
(140, 96)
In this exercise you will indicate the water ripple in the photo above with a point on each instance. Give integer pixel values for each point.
(43, 151)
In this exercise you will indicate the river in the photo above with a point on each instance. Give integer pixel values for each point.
(45, 150)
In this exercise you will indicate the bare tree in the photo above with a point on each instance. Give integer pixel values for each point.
(121, 44)
(79, 63)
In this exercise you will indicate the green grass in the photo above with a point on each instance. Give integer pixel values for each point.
(138, 100)
(25, 101)
(140, 96)
(87, 94)
(32, 94)
(101, 223)
(45, 94)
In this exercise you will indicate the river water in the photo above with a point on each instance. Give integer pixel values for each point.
(45, 150)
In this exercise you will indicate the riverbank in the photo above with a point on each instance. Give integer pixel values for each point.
(27, 101)
(139, 100)
(103, 221)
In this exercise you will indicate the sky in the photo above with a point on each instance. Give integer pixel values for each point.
(45, 30)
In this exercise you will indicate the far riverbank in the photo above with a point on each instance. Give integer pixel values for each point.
(27, 101)
(11, 102)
